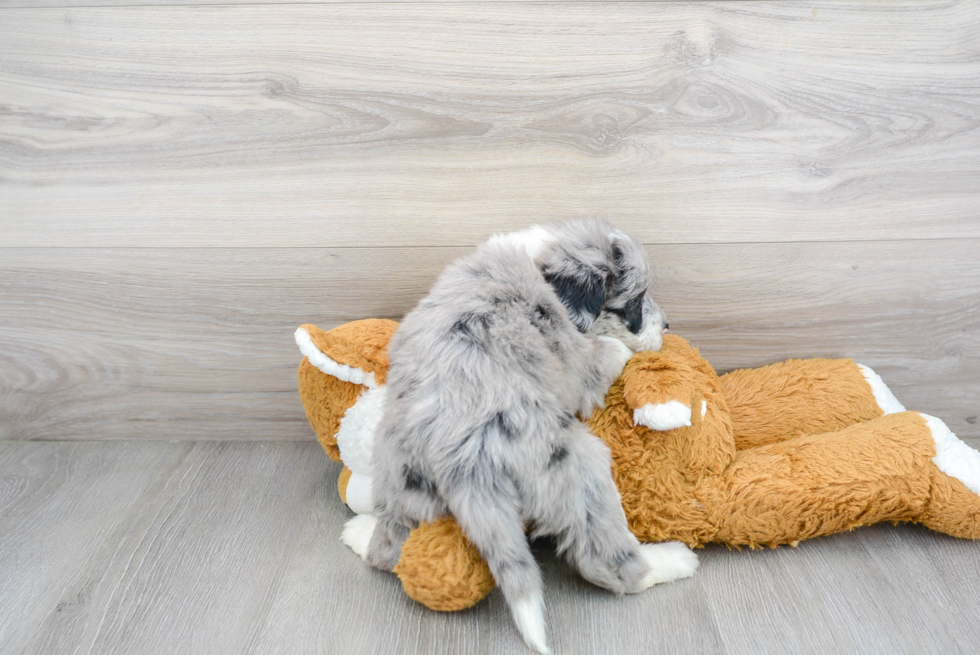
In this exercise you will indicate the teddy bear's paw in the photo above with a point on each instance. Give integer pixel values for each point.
(357, 533)
(953, 456)
(668, 562)
(883, 395)
(663, 416)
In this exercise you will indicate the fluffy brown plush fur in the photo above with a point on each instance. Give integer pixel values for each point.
(782, 453)
(441, 569)
(817, 458)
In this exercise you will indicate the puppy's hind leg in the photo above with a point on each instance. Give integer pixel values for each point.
(577, 501)
(385, 547)
(486, 506)
(397, 516)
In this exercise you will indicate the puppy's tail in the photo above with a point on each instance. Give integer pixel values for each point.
(489, 513)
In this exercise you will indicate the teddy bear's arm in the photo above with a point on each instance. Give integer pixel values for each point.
(802, 396)
(659, 387)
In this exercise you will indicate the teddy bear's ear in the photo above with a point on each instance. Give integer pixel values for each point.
(355, 352)
(338, 367)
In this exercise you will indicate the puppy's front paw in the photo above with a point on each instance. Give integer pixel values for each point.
(620, 353)
(357, 533)
(668, 562)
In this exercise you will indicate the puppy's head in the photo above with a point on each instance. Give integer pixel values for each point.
(630, 314)
(602, 277)
(652, 328)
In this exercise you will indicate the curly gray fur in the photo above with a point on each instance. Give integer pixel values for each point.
(487, 377)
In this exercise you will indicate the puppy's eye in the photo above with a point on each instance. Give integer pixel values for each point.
(632, 315)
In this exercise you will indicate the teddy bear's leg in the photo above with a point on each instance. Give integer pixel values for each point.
(880, 470)
(954, 503)
(822, 484)
(441, 569)
(577, 501)
(803, 396)
(398, 509)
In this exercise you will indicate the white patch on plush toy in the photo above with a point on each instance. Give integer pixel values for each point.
(533, 239)
(529, 616)
(664, 416)
(953, 457)
(883, 395)
(668, 562)
(359, 497)
(357, 533)
(355, 438)
(704, 408)
(340, 371)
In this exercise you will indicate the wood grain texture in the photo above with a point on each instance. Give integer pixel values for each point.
(54, 4)
(197, 343)
(839, 594)
(406, 124)
(914, 557)
(195, 566)
(59, 504)
(233, 548)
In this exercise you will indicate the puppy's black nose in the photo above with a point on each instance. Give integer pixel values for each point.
(666, 326)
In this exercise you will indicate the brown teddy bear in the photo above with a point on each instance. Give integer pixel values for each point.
(765, 456)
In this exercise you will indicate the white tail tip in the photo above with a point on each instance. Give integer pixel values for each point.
(529, 616)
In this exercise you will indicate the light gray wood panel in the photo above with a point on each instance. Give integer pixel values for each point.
(194, 567)
(169, 344)
(408, 124)
(191, 344)
(935, 569)
(835, 595)
(47, 4)
(59, 504)
(666, 619)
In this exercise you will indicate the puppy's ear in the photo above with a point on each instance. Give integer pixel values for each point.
(629, 260)
(581, 287)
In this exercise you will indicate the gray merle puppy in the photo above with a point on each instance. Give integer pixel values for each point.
(488, 377)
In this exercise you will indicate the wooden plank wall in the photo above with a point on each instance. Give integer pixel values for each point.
(181, 186)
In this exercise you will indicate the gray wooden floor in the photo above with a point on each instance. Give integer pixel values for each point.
(232, 547)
